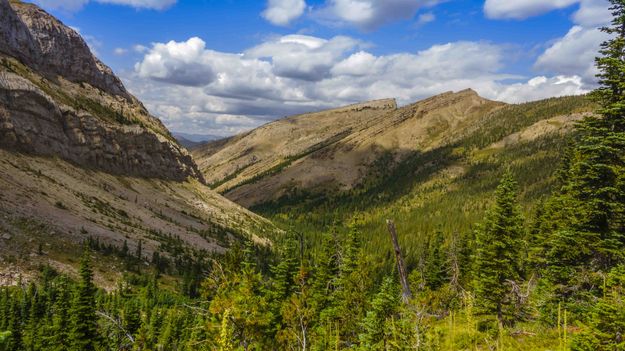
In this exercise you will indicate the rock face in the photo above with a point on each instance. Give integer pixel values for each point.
(57, 99)
(43, 43)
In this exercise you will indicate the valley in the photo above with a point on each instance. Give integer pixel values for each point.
(450, 222)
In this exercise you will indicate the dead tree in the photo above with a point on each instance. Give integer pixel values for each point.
(401, 267)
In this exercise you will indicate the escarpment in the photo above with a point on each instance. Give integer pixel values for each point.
(57, 99)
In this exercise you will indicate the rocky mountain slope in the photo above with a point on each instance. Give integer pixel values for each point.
(81, 158)
(275, 162)
(56, 98)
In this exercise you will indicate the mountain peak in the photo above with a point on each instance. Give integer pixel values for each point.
(58, 99)
(44, 43)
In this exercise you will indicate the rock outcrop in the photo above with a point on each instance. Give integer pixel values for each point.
(57, 99)
(43, 43)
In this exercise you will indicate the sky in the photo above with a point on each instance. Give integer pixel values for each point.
(221, 67)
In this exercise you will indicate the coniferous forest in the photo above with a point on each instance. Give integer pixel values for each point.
(550, 276)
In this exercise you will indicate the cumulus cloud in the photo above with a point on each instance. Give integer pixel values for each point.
(573, 54)
(75, 5)
(196, 89)
(593, 13)
(540, 87)
(282, 12)
(185, 63)
(371, 14)
(303, 57)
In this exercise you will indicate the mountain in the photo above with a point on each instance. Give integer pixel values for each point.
(336, 150)
(82, 159)
(432, 165)
(267, 155)
(191, 141)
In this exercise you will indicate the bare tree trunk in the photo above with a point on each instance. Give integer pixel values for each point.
(403, 276)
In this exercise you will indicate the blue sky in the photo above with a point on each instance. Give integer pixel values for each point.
(224, 66)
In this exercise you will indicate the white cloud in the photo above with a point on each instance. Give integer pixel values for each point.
(138, 48)
(282, 12)
(573, 54)
(303, 57)
(371, 14)
(195, 89)
(539, 88)
(185, 63)
(75, 5)
(520, 9)
(120, 51)
(591, 13)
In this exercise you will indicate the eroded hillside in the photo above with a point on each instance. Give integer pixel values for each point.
(82, 160)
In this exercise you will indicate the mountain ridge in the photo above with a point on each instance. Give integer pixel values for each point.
(345, 147)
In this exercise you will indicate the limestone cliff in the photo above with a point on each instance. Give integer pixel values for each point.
(57, 99)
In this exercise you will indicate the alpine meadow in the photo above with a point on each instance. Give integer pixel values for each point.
(417, 197)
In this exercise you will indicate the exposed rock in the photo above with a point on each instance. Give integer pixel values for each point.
(57, 99)
(42, 42)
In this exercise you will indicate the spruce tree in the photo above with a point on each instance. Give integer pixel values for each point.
(586, 231)
(60, 321)
(84, 328)
(15, 325)
(499, 250)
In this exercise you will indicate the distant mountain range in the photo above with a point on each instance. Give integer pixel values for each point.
(191, 141)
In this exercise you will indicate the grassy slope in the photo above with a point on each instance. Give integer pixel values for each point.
(49, 205)
(447, 188)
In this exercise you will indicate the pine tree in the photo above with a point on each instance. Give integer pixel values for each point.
(84, 328)
(499, 249)
(606, 328)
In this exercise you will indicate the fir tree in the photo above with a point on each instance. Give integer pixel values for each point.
(84, 328)
(499, 249)
(60, 321)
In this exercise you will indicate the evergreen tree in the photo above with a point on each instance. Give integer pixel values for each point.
(15, 325)
(499, 250)
(377, 324)
(606, 328)
(84, 327)
(587, 230)
(59, 336)
(435, 265)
